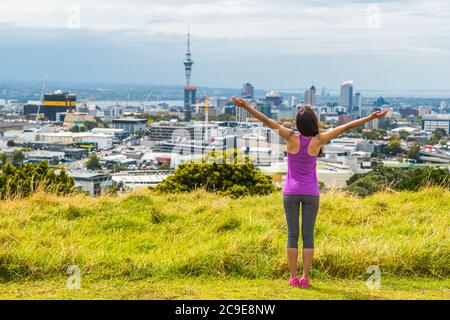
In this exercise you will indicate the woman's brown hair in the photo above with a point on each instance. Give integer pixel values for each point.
(307, 123)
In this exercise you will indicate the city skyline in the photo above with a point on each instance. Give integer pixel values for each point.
(382, 45)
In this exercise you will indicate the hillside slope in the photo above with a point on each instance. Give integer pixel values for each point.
(144, 235)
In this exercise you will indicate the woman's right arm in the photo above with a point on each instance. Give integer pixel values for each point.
(326, 136)
(272, 124)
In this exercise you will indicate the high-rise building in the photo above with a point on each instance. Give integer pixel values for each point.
(273, 98)
(365, 111)
(310, 97)
(57, 102)
(265, 109)
(372, 124)
(346, 100)
(357, 103)
(189, 90)
(442, 106)
(241, 114)
(248, 91)
(292, 101)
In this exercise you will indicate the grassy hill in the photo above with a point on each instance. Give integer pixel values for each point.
(179, 245)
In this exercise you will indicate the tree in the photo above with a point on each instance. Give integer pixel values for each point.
(387, 123)
(75, 129)
(396, 179)
(394, 146)
(89, 125)
(11, 143)
(18, 158)
(164, 166)
(403, 135)
(227, 177)
(373, 134)
(93, 162)
(25, 180)
(439, 133)
(3, 157)
(414, 151)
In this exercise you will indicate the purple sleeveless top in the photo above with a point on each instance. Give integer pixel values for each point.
(301, 176)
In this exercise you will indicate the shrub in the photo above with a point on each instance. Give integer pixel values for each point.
(20, 182)
(232, 179)
(397, 179)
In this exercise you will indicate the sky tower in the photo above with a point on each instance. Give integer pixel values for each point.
(189, 91)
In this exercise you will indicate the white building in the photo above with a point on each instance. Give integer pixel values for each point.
(241, 114)
(103, 141)
(310, 97)
(424, 110)
(432, 122)
(286, 114)
(93, 183)
(37, 156)
(115, 133)
(133, 181)
(346, 100)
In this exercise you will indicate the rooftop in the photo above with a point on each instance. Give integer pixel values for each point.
(129, 120)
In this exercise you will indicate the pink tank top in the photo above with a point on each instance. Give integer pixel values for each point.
(301, 176)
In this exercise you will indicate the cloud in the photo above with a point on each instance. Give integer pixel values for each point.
(321, 39)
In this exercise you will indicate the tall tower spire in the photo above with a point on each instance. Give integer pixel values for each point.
(189, 91)
(188, 62)
(189, 40)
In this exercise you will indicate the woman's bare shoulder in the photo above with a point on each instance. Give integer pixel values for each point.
(293, 143)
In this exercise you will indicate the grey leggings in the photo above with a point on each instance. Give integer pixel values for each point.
(310, 207)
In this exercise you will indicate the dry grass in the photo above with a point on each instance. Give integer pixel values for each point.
(144, 235)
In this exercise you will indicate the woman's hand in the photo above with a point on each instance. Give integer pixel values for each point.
(379, 114)
(239, 102)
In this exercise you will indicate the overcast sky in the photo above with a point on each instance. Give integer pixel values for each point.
(288, 44)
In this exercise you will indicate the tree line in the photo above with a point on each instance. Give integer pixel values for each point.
(23, 180)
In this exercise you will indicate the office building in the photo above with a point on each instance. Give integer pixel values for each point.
(57, 102)
(344, 118)
(346, 99)
(37, 156)
(131, 125)
(286, 114)
(431, 122)
(365, 111)
(357, 105)
(248, 91)
(241, 114)
(273, 98)
(372, 124)
(292, 101)
(167, 131)
(406, 111)
(92, 182)
(424, 110)
(265, 108)
(82, 139)
(310, 97)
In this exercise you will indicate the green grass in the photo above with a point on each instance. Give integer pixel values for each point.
(228, 289)
(149, 245)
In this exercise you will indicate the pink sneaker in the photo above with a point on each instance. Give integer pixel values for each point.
(294, 282)
(304, 283)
